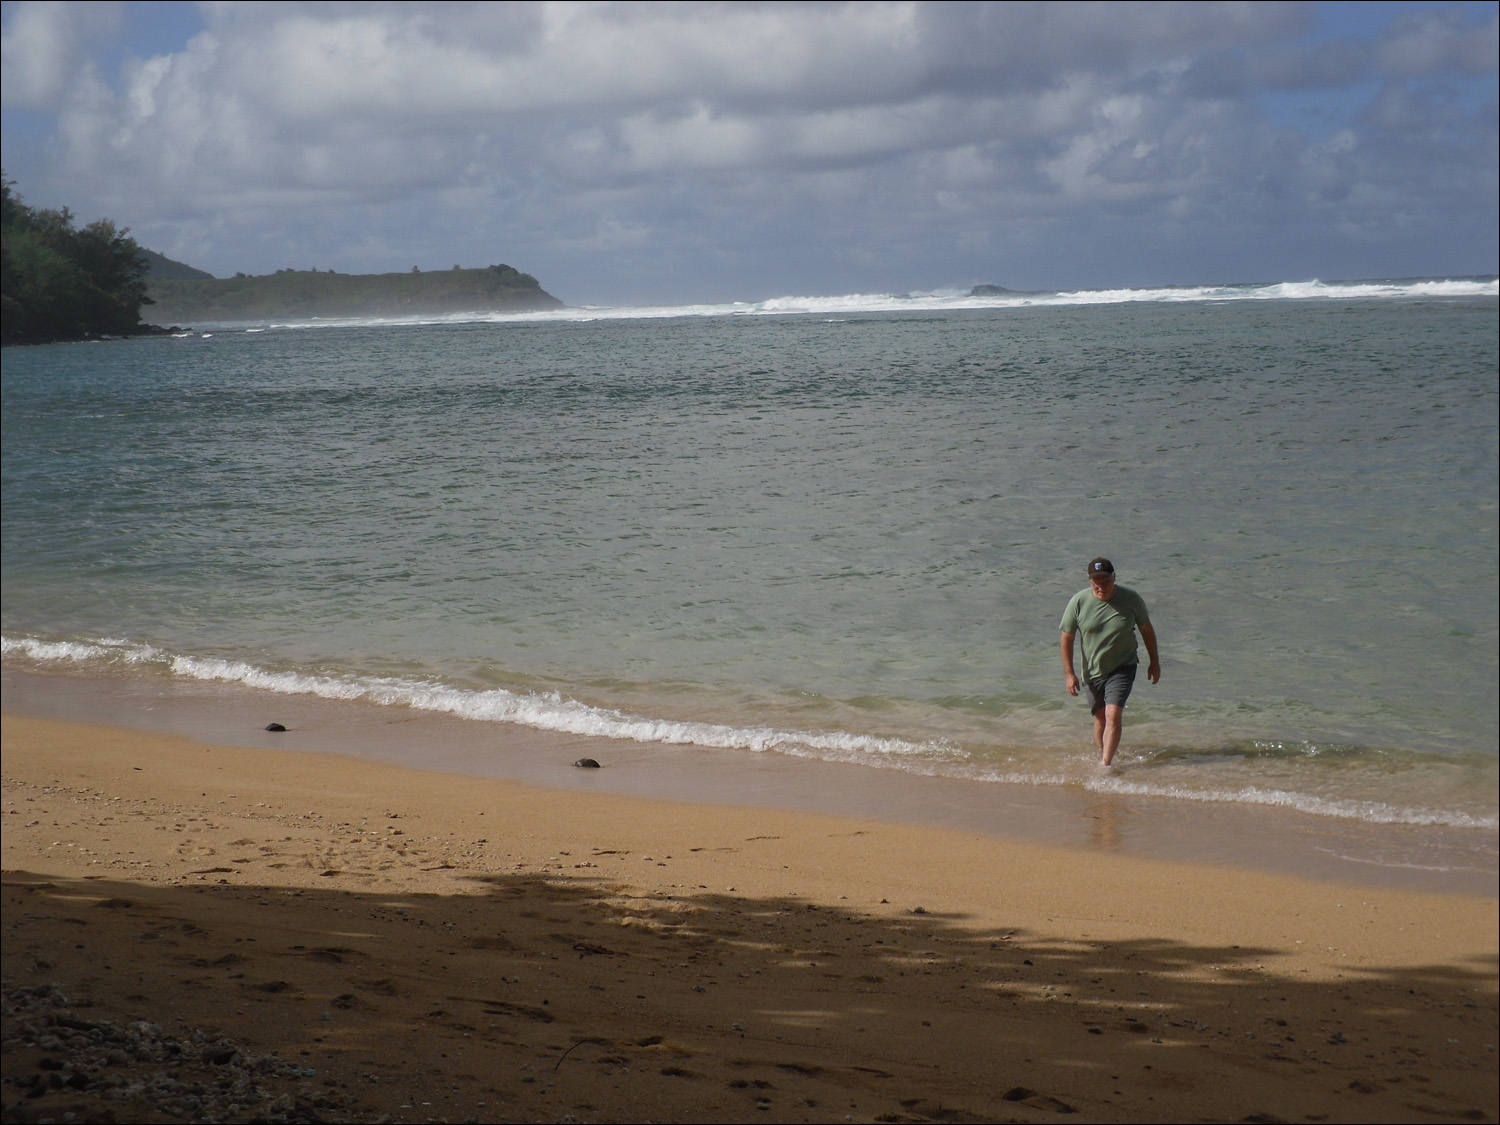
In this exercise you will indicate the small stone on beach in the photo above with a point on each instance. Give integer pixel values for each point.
(275, 727)
(586, 764)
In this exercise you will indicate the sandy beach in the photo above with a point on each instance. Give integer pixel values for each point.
(197, 931)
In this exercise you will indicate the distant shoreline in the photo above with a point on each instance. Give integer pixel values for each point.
(144, 329)
(309, 293)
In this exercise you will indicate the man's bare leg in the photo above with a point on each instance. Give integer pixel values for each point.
(1108, 721)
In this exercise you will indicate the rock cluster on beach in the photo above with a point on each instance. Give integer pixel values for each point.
(99, 1070)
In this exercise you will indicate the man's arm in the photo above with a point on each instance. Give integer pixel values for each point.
(1148, 634)
(1065, 645)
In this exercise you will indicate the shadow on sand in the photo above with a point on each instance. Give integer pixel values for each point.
(528, 998)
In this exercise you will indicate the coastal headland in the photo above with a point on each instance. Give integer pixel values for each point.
(313, 934)
(325, 294)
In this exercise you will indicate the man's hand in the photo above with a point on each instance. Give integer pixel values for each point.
(1153, 670)
(1065, 648)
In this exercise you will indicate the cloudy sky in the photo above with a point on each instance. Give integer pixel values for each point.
(632, 153)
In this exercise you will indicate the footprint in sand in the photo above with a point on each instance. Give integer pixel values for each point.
(380, 987)
(1037, 1101)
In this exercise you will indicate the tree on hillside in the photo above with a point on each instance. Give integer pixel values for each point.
(61, 283)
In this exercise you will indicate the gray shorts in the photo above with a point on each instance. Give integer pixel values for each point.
(1112, 689)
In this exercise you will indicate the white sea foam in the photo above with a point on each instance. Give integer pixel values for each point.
(1374, 812)
(947, 300)
(544, 711)
(104, 650)
(553, 712)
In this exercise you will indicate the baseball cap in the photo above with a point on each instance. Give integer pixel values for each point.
(1099, 568)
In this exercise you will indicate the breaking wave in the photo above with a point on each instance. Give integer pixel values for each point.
(949, 300)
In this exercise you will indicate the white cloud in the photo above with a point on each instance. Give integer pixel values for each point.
(318, 61)
(747, 136)
(1422, 44)
(43, 50)
(1297, 66)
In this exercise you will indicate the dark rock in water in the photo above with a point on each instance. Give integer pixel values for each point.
(275, 726)
(586, 764)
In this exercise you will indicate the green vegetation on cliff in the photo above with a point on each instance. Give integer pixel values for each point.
(300, 294)
(161, 267)
(61, 283)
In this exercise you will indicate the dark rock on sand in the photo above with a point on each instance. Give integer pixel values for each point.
(586, 764)
(102, 1070)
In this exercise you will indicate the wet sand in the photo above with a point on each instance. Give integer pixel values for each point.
(429, 945)
(1276, 840)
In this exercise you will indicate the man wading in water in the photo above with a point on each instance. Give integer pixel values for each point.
(1107, 615)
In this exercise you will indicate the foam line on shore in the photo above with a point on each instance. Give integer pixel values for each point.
(544, 711)
(551, 711)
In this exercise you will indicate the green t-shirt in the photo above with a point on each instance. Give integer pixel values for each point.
(1105, 630)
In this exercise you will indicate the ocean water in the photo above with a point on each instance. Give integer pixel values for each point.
(839, 527)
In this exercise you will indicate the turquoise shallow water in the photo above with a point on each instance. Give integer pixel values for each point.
(846, 532)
